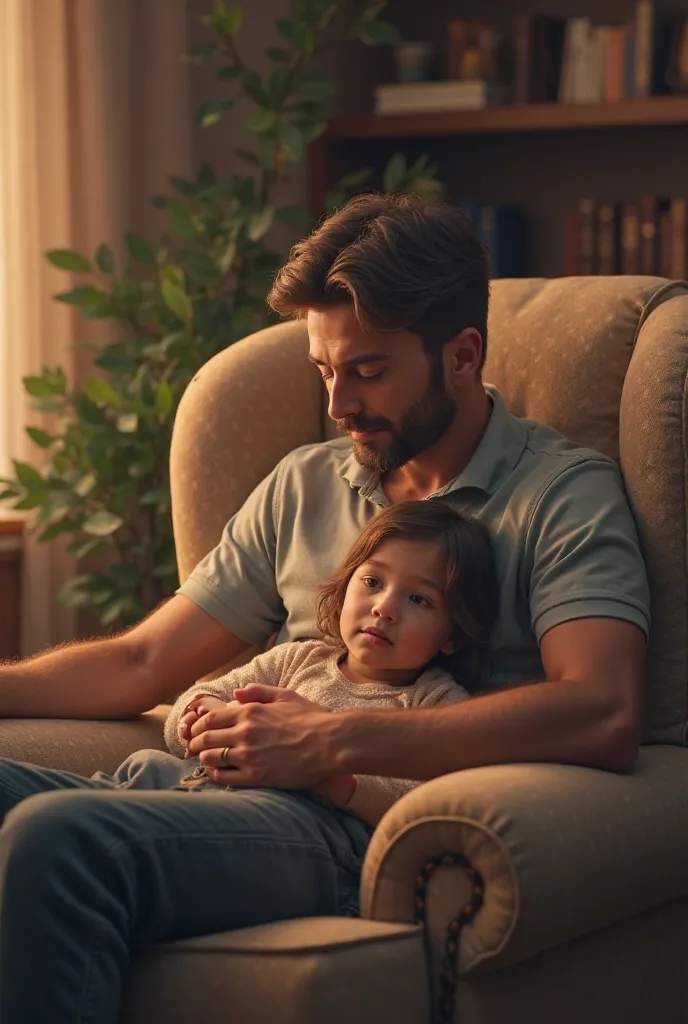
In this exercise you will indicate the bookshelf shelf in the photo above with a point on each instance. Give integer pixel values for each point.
(537, 117)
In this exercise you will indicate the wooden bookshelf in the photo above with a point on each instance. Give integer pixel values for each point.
(544, 157)
(536, 117)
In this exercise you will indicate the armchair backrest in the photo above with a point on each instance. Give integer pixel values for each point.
(604, 360)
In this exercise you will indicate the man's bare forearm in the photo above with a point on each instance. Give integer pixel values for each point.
(96, 679)
(561, 722)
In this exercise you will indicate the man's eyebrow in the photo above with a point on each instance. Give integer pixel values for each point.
(365, 357)
(419, 579)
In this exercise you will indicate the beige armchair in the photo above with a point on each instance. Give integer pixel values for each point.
(583, 875)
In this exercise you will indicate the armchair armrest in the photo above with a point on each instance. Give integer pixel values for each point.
(562, 851)
(80, 746)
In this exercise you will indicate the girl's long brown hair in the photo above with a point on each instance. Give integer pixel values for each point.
(468, 566)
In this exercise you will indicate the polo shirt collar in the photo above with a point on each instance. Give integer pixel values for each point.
(497, 454)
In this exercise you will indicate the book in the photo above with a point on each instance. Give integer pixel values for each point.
(630, 239)
(679, 226)
(587, 214)
(572, 260)
(503, 230)
(438, 97)
(608, 239)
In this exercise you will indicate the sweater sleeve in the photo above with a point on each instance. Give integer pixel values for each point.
(267, 668)
(375, 794)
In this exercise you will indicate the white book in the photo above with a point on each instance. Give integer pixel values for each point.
(438, 97)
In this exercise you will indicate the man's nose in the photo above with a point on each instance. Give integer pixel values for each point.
(343, 401)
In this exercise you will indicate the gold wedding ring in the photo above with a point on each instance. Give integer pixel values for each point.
(224, 756)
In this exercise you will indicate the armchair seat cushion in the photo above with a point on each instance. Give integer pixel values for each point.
(329, 970)
(82, 747)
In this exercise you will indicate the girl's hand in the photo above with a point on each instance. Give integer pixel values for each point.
(196, 709)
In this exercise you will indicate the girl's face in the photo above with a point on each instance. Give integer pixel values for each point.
(394, 619)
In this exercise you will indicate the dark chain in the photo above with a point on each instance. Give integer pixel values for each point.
(449, 967)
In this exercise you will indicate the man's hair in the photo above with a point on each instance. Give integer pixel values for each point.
(403, 264)
(469, 573)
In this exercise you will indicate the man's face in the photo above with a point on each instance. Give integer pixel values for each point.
(384, 390)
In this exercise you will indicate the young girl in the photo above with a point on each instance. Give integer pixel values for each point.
(103, 865)
(414, 601)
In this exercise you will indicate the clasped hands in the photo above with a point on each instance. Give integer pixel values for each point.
(274, 737)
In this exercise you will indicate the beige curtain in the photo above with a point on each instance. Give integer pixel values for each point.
(94, 115)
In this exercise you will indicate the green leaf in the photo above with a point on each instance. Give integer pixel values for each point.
(39, 387)
(81, 549)
(55, 529)
(114, 609)
(277, 53)
(229, 72)
(253, 87)
(285, 27)
(379, 33)
(102, 524)
(211, 111)
(247, 155)
(394, 173)
(102, 392)
(278, 83)
(127, 423)
(160, 495)
(326, 16)
(262, 120)
(315, 91)
(267, 154)
(85, 485)
(86, 297)
(177, 301)
(182, 221)
(105, 259)
(314, 131)
(228, 256)
(235, 19)
(163, 399)
(226, 20)
(371, 12)
(28, 476)
(40, 437)
(139, 249)
(67, 259)
(291, 139)
(354, 179)
(259, 223)
(303, 38)
(206, 176)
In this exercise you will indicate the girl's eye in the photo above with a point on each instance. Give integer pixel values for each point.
(370, 581)
(418, 599)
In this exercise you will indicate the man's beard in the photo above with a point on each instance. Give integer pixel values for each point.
(421, 426)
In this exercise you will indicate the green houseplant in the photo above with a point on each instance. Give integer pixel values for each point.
(103, 481)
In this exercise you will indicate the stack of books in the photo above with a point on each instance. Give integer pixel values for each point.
(503, 229)
(644, 237)
(574, 61)
(438, 97)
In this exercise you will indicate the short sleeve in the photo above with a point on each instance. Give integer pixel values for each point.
(235, 582)
(583, 551)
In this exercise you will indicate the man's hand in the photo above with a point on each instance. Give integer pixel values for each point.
(275, 738)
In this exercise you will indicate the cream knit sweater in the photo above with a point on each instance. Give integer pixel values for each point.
(310, 668)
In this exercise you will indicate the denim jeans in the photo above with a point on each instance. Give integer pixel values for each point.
(91, 868)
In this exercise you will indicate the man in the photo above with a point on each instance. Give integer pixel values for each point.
(395, 294)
